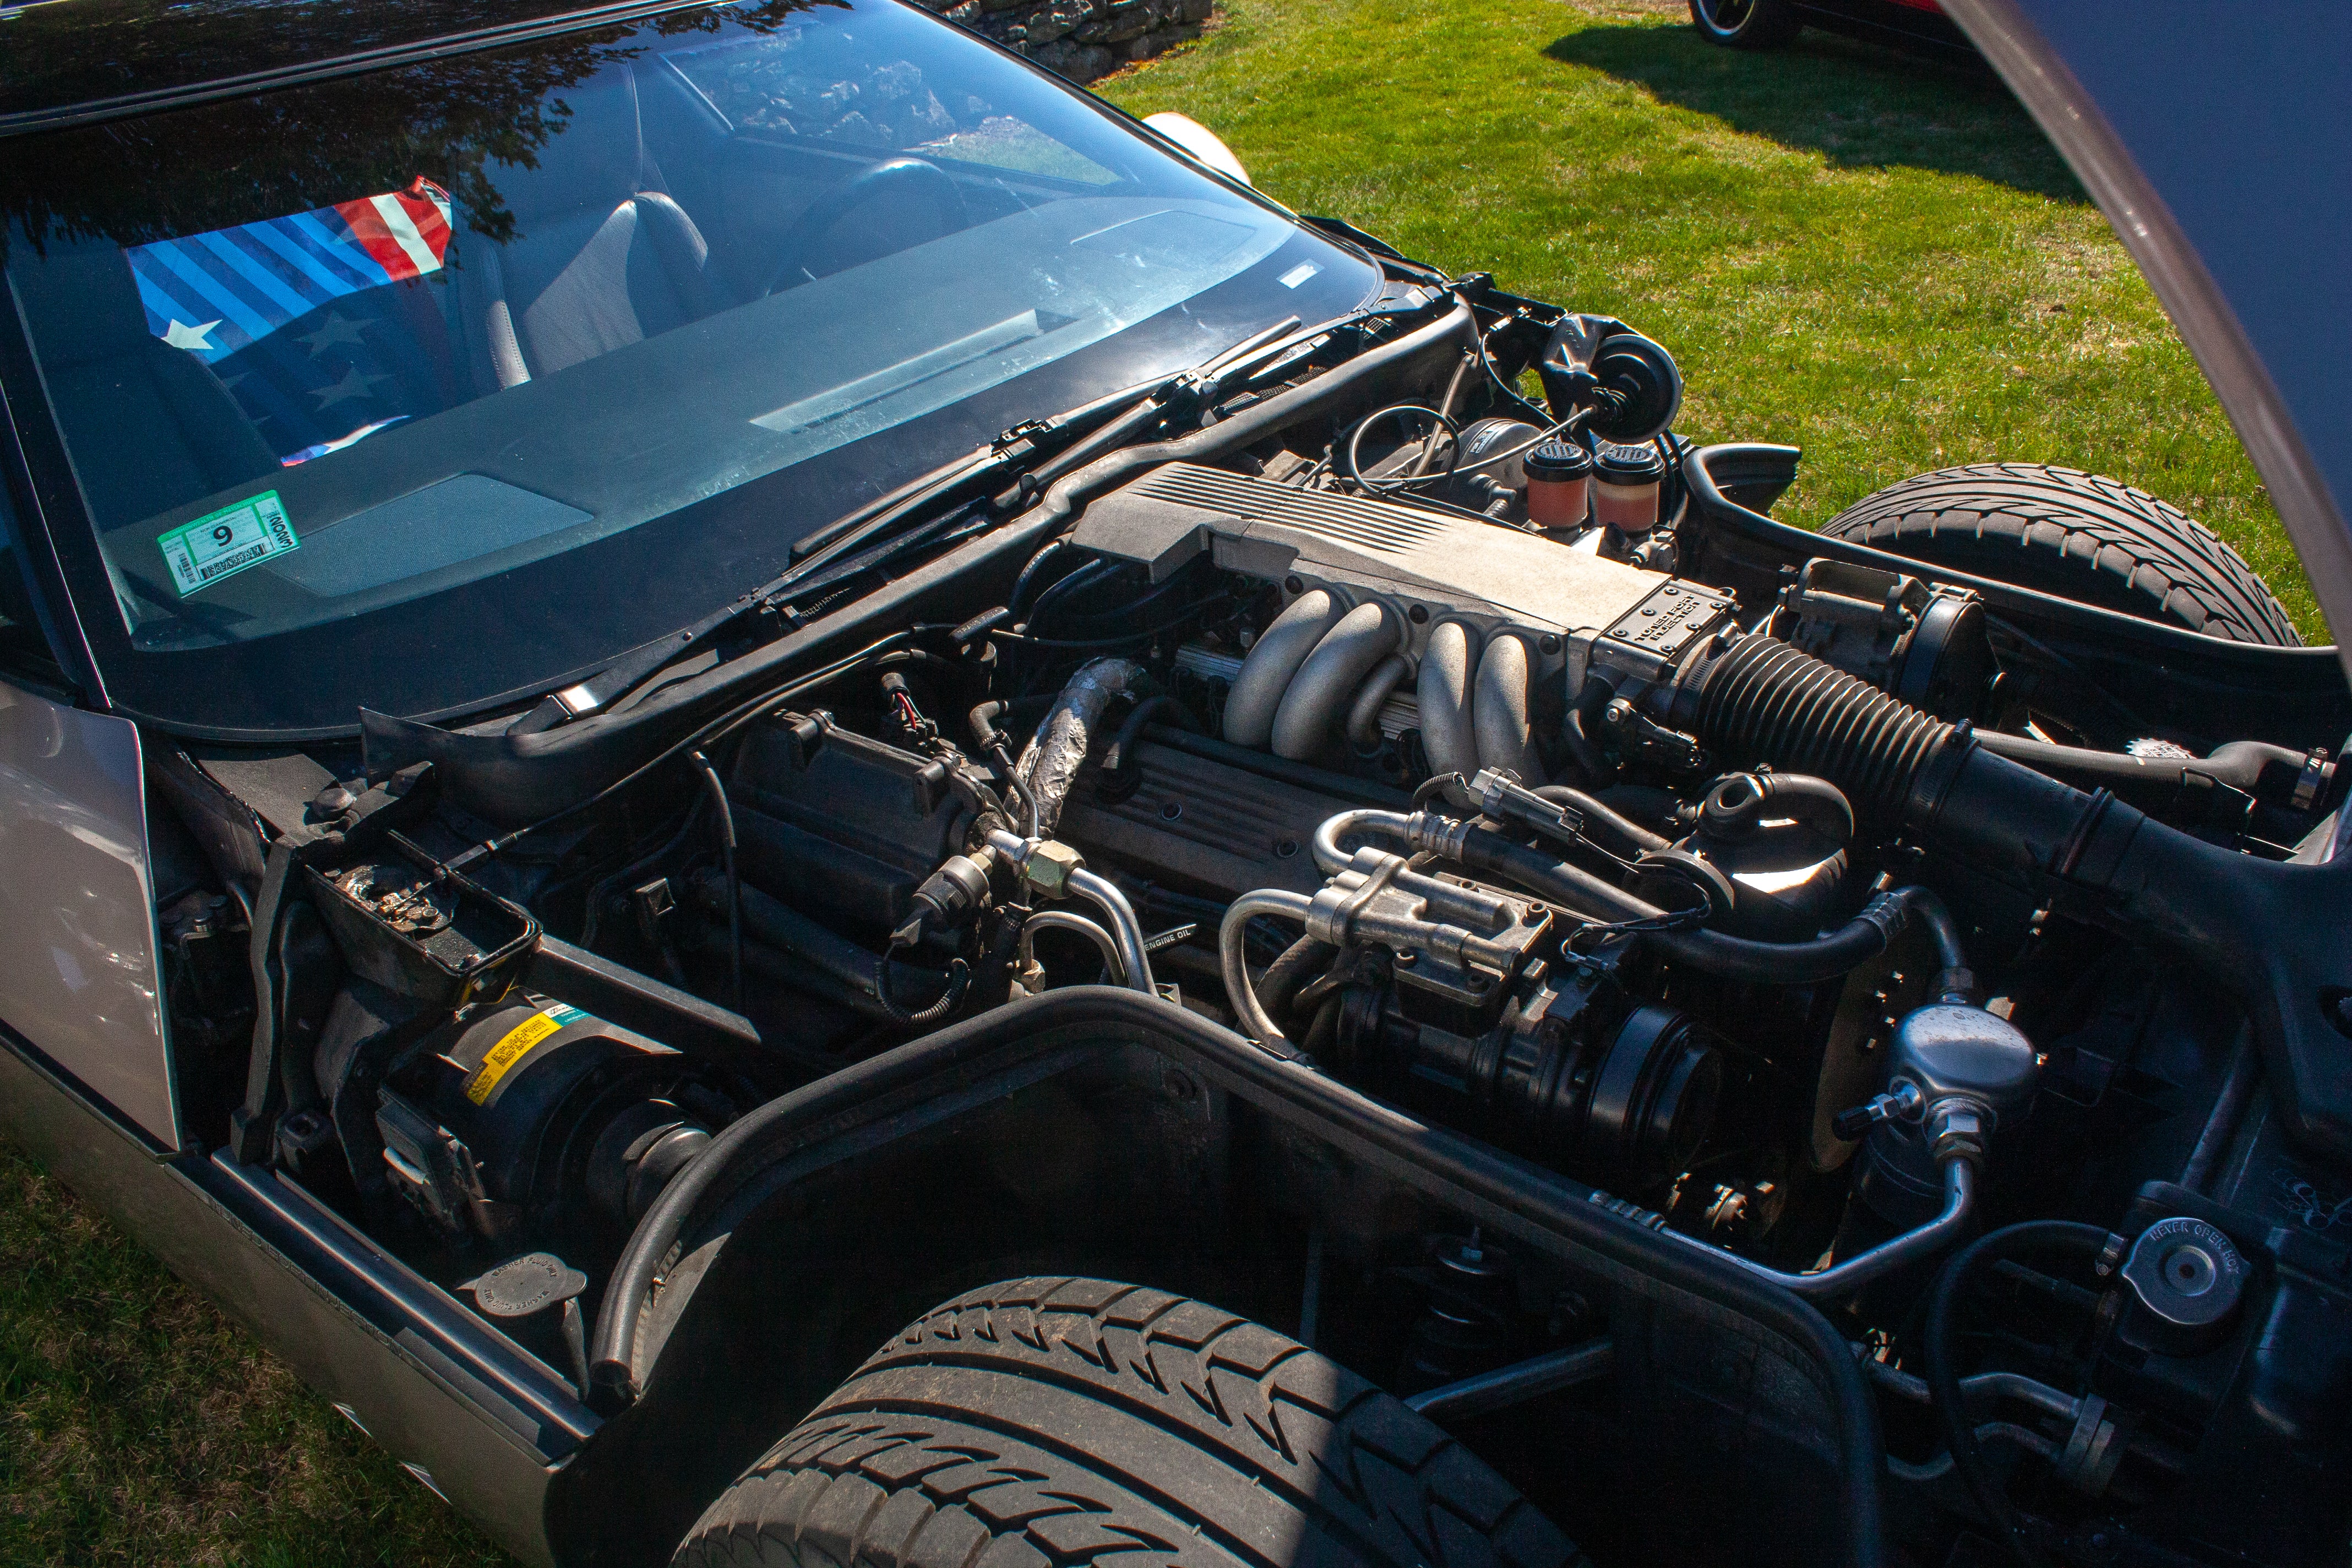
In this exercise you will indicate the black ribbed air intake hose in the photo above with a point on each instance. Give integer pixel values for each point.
(1761, 701)
(2271, 931)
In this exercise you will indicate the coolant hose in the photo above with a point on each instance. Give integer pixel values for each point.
(1443, 695)
(1301, 961)
(1831, 957)
(1864, 937)
(1264, 676)
(1938, 1345)
(2268, 773)
(1599, 772)
(1050, 765)
(1739, 803)
(1499, 709)
(1316, 699)
(1120, 755)
(1364, 712)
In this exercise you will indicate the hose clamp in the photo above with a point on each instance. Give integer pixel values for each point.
(1890, 912)
(2094, 1450)
(1433, 833)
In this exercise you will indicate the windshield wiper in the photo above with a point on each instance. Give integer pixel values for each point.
(1037, 450)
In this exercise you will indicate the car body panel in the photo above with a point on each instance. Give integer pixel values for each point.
(1917, 25)
(2244, 253)
(79, 975)
(107, 59)
(409, 1367)
(86, 1083)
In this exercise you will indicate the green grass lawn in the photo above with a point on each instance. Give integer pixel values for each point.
(138, 1426)
(1875, 259)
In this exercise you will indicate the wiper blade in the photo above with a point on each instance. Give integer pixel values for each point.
(625, 675)
(837, 544)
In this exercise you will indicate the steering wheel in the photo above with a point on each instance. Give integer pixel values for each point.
(911, 184)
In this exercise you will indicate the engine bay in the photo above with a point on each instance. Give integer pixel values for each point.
(1493, 758)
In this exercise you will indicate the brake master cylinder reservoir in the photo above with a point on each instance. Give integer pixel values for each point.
(1625, 482)
(1560, 486)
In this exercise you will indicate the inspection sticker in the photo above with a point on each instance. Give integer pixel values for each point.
(222, 544)
(515, 1045)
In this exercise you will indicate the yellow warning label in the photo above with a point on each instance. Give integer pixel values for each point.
(514, 1046)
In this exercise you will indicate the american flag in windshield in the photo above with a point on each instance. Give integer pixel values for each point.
(324, 325)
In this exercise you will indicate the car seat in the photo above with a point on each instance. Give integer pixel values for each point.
(599, 256)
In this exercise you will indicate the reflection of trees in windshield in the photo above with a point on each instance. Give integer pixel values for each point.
(194, 170)
(832, 91)
(883, 104)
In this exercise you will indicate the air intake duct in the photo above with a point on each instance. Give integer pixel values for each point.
(2270, 931)
(1761, 701)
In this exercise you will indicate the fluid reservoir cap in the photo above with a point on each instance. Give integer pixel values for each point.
(1557, 462)
(2188, 1279)
(1615, 465)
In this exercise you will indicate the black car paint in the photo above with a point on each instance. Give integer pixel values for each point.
(1928, 32)
(95, 60)
(425, 1380)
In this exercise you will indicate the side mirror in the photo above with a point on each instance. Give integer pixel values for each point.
(1201, 142)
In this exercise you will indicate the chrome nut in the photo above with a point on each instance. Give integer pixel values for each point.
(1049, 867)
(1956, 1129)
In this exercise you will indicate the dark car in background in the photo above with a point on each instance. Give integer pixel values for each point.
(1917, 25)
(803, 804)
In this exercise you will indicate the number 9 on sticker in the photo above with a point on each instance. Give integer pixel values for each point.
(222, 543)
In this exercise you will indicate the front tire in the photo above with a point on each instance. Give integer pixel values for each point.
(1048, 1422)
(1745, 24)
(2078, 536)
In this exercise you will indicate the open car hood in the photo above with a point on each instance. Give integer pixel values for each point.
(2219, 144)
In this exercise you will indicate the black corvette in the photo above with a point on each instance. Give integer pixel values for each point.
(804, 803)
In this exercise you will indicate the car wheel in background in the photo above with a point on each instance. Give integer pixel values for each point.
(2079, 536)
(1745, 24)
(1059, 1422)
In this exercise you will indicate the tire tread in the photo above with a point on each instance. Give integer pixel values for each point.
(872, 1480)
(2076, 534)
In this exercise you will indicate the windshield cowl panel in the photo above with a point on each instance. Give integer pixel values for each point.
(451, 416)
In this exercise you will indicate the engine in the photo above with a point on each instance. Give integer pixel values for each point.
(1439, 751)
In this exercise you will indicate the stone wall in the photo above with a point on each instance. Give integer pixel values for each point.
(1082, 39)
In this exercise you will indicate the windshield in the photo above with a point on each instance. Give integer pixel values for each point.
(425, 388)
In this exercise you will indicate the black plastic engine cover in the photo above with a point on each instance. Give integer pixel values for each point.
(838, 826)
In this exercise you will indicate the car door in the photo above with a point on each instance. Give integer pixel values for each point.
(79, 970)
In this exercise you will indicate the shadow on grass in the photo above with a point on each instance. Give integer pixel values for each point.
(1859, 106)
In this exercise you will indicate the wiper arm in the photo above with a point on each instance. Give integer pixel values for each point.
(835, 545)
(1067, 440)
